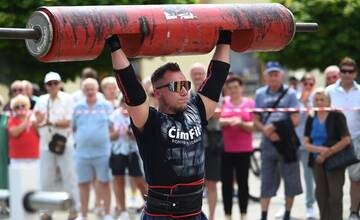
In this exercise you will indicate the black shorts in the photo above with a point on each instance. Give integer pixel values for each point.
(212, 165)
(118, 164)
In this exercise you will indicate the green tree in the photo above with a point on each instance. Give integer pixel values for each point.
(17, 63)
(338, 35)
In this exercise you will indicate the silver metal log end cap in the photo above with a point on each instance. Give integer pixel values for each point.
(40, 21)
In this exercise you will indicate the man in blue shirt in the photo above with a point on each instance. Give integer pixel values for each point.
(273, 164)
(92, 133)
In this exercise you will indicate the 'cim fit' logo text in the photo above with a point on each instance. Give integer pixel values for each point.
(189, 135)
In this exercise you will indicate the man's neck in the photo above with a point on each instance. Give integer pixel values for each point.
(347, 85)
(274, 88)
(90, 101)
(53, 96)
(166, 110)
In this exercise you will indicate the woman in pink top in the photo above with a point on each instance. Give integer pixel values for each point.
(237, 127)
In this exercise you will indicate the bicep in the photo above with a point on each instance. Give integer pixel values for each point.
(210, 106)
(139, 114)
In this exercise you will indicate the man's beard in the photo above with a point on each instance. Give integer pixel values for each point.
(175, 109)
(179, 109)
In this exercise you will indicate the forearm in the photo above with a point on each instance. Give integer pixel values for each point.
(224, 122)
(133, 92)
(218, 71)
(339, 145)
(17, 130)
(114, 135)
(312, 148)
(214, 82)
(119, 60)
(40, 121)
(258, 124)
(247, 126)
(216, 115)
(61, 123)
(222, 53)
(35, 124)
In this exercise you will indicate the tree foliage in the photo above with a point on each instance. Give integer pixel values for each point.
(17, 63)
(338, 35)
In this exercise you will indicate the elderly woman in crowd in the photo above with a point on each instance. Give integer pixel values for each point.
(326, 133)
(16, 88)
(23, 135)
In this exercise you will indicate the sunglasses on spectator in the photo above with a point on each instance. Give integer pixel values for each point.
(311, 84)
(18, 107)
(347, 71)
(319, 99)
(177, 86)
(16, 90)
(332, 77)
(52, 83)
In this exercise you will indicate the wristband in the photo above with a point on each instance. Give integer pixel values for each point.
(224, 37)
(113, 43)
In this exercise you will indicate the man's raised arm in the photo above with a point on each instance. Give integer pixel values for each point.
(132, 90)
(218, 71)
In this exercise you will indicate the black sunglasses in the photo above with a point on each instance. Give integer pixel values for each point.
(177, 86)
(18, 107)
(16, 90)
(52, 83)
(348, 71)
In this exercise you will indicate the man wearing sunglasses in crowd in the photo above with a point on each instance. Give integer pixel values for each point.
(345, 93)
(53, 112)
(170, 139)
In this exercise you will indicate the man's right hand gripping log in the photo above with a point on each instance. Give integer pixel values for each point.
(170, 139)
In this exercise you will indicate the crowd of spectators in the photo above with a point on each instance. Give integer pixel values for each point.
(83, 141)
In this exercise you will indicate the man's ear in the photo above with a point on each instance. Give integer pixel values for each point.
(157, 93)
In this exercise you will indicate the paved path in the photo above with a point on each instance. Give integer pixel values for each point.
(298, 213)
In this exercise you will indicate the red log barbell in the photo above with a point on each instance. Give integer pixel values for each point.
(78, 32)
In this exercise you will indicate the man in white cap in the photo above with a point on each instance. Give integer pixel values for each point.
(54, 113)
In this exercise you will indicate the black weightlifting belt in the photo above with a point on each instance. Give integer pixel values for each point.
(178, 201)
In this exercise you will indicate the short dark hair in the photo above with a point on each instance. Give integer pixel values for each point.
(293, 78)
(307, 76)
(234, 78)
(159, 72)
(347, 61)
(89, 72)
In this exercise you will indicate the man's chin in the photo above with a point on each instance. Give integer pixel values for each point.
(180, 109)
